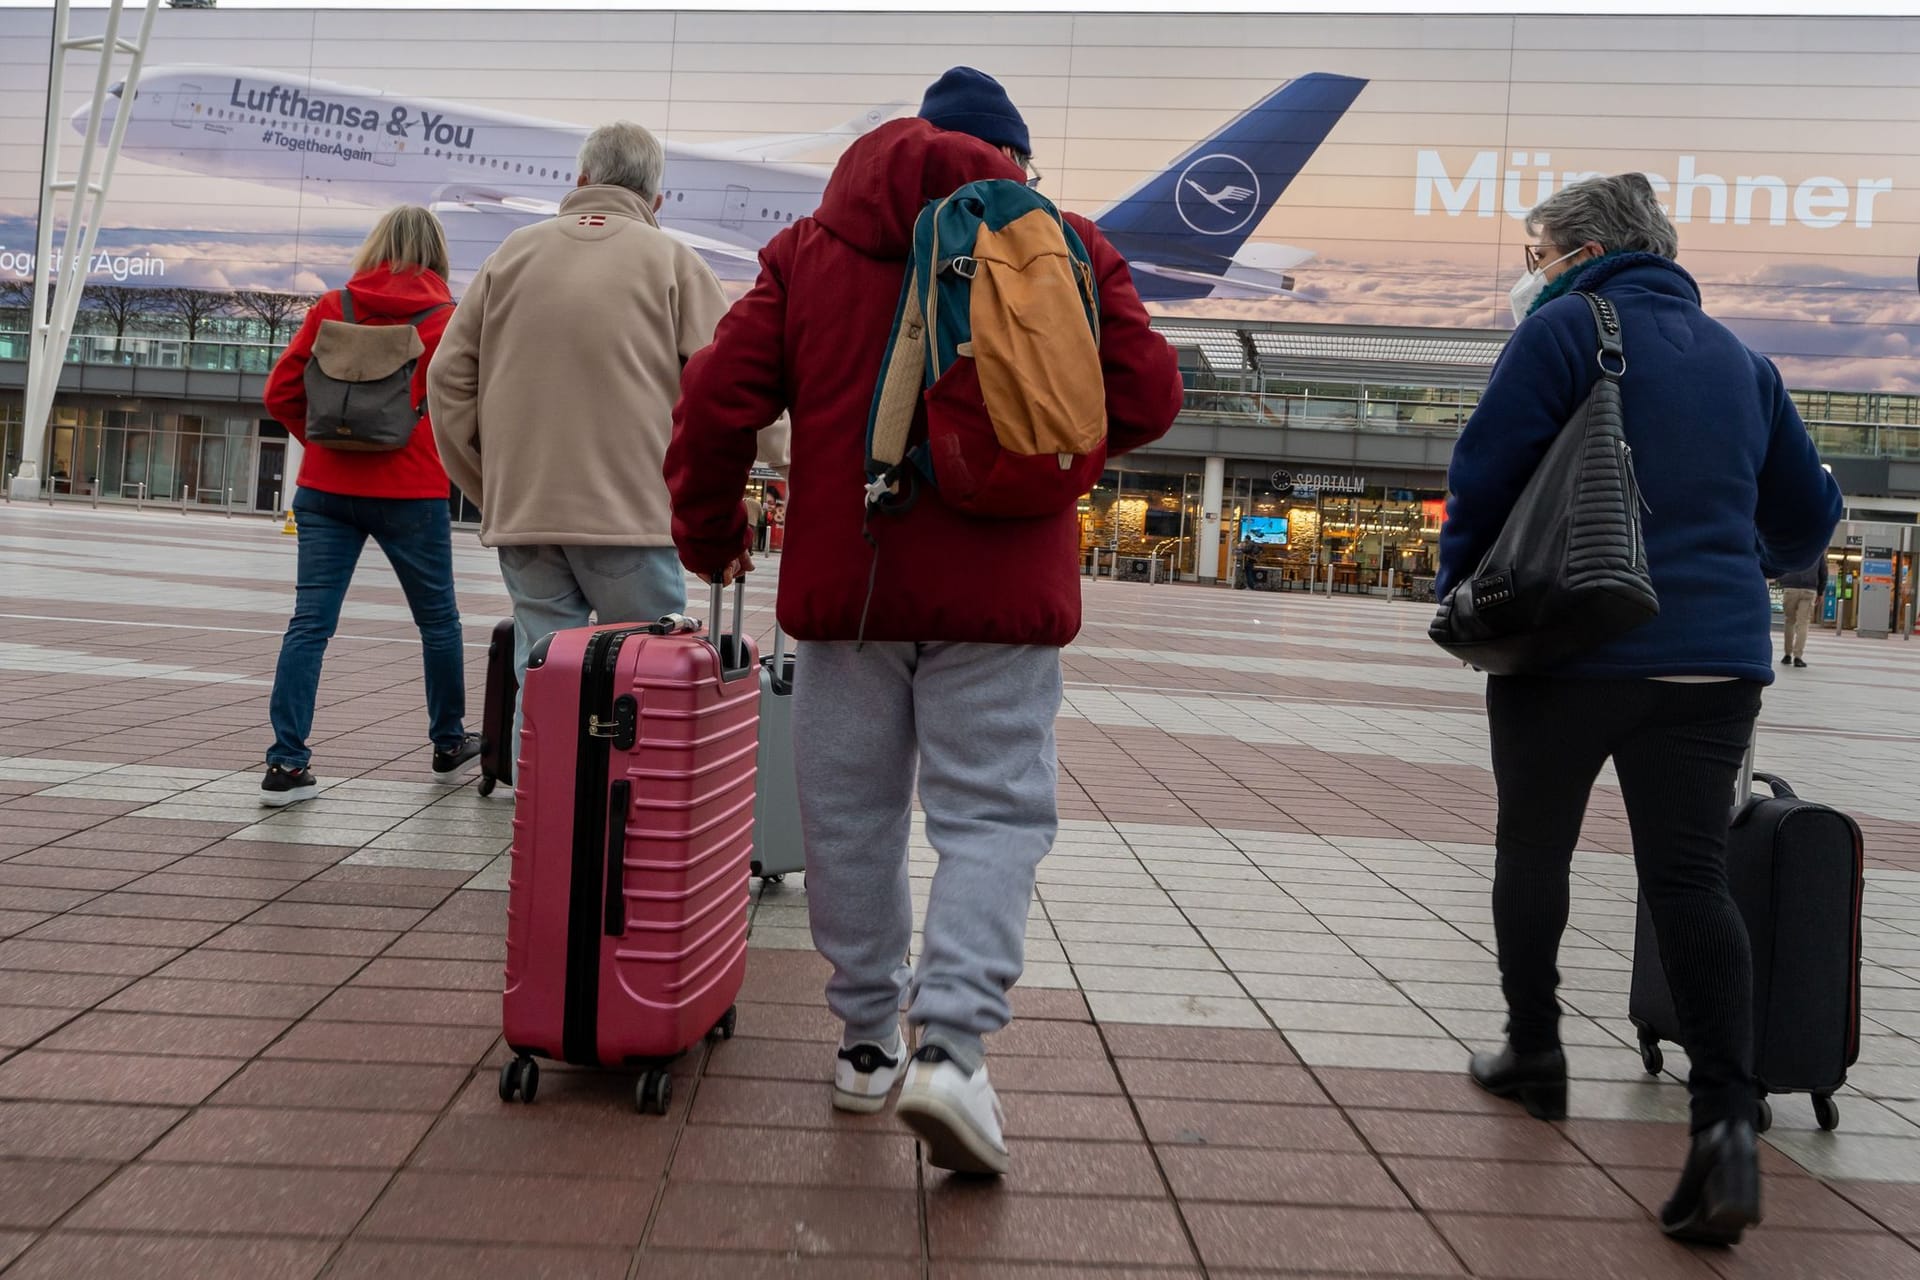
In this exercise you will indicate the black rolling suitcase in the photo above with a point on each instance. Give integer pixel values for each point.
(1797, 871)
(497, 748)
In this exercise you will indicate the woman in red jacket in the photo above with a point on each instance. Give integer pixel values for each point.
(398, 498)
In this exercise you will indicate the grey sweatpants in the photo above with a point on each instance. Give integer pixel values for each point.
(977, 721)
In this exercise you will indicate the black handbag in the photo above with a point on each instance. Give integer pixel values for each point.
(1568, 572)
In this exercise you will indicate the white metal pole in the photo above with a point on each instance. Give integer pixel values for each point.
(26, 481)
(53, 326)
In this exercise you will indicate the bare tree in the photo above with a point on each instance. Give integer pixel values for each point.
(193, 309)
(274, 310)
(16, 302)
(119, 306)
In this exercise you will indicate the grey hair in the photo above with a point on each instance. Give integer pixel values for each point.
(1621, 214)
(623, 154)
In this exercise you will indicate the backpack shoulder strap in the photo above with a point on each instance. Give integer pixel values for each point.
(346, 305)
(902, 378)
(418, 316)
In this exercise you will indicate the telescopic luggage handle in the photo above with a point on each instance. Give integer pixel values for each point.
(732, 648)
(776, 663)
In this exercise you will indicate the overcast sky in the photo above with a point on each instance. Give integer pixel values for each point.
(1612, 8)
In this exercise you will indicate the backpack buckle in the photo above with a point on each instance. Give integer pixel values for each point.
(965, 268)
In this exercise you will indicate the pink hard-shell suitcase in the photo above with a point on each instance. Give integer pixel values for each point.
(632, 836)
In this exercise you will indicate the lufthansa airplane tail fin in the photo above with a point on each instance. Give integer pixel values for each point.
(1203, 206)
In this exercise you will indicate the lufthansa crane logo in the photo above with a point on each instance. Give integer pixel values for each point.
(1217, 194)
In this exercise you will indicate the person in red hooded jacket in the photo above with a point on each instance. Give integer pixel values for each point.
(954, 665)
(397, 498)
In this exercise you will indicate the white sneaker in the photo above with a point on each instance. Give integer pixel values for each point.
(956, 1115)
(864, 1074)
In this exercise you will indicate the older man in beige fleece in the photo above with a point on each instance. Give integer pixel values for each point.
(553, 394)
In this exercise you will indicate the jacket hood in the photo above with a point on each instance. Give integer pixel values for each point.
(384, 292)
(887, 177)
(605, 198)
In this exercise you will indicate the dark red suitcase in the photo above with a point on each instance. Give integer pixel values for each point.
(632, 835)
(497, 748)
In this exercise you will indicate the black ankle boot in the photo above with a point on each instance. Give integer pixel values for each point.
(1718, 1195)
(1538, 1081)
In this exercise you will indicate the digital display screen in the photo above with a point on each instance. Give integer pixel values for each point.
(1269, 531)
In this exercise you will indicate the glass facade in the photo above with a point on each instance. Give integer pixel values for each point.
(181, 452)
(1296, 536)
(227, 455)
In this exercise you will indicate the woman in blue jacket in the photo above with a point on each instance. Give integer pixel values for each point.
(1734, 493)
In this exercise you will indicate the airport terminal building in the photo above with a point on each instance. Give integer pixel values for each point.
(1325, 212)
(1318, 453)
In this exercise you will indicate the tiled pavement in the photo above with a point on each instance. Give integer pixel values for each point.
(242, 1045)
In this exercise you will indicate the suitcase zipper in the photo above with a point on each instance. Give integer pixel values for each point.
(587, 911)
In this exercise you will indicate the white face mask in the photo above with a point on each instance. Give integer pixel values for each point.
(1530, 286)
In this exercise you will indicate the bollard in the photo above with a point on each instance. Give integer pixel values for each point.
(1329, 579)
(1390, 574)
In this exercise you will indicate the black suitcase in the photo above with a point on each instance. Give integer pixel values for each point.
(497, 748)
(1796, 870)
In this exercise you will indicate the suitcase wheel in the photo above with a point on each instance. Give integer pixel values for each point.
(1763, 1120)
(654, 1093)
(781, 878)
(1826, 1111)
(486, 784)
(520, 1077)
(1650, 1056)
(723, 1029)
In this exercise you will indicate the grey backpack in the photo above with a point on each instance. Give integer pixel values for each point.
(360, 382)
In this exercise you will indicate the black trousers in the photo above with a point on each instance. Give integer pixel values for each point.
(1677, 749)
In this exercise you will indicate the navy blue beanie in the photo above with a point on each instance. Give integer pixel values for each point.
(968, 101)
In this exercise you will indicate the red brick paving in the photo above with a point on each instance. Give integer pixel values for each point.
(232, 1058)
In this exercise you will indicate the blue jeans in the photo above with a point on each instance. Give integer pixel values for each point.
(418, 541)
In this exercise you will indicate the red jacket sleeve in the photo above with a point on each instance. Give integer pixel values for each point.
(431, 330)
(286, 394)
(1142, 372)
(728, 393)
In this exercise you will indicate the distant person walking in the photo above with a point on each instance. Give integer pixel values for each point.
(1801, 592)
(949, 681)
(756, 521)
(396, 496)
(1734, 491)
(553, 395)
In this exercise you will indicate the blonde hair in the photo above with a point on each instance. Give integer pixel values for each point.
(406, 237)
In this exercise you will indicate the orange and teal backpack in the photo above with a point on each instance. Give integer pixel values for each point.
(997, 333)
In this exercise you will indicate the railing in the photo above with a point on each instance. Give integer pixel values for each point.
(1866, 439)
(203, 355)
(1233, 408)
(1323, 412)
(1836, 439)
